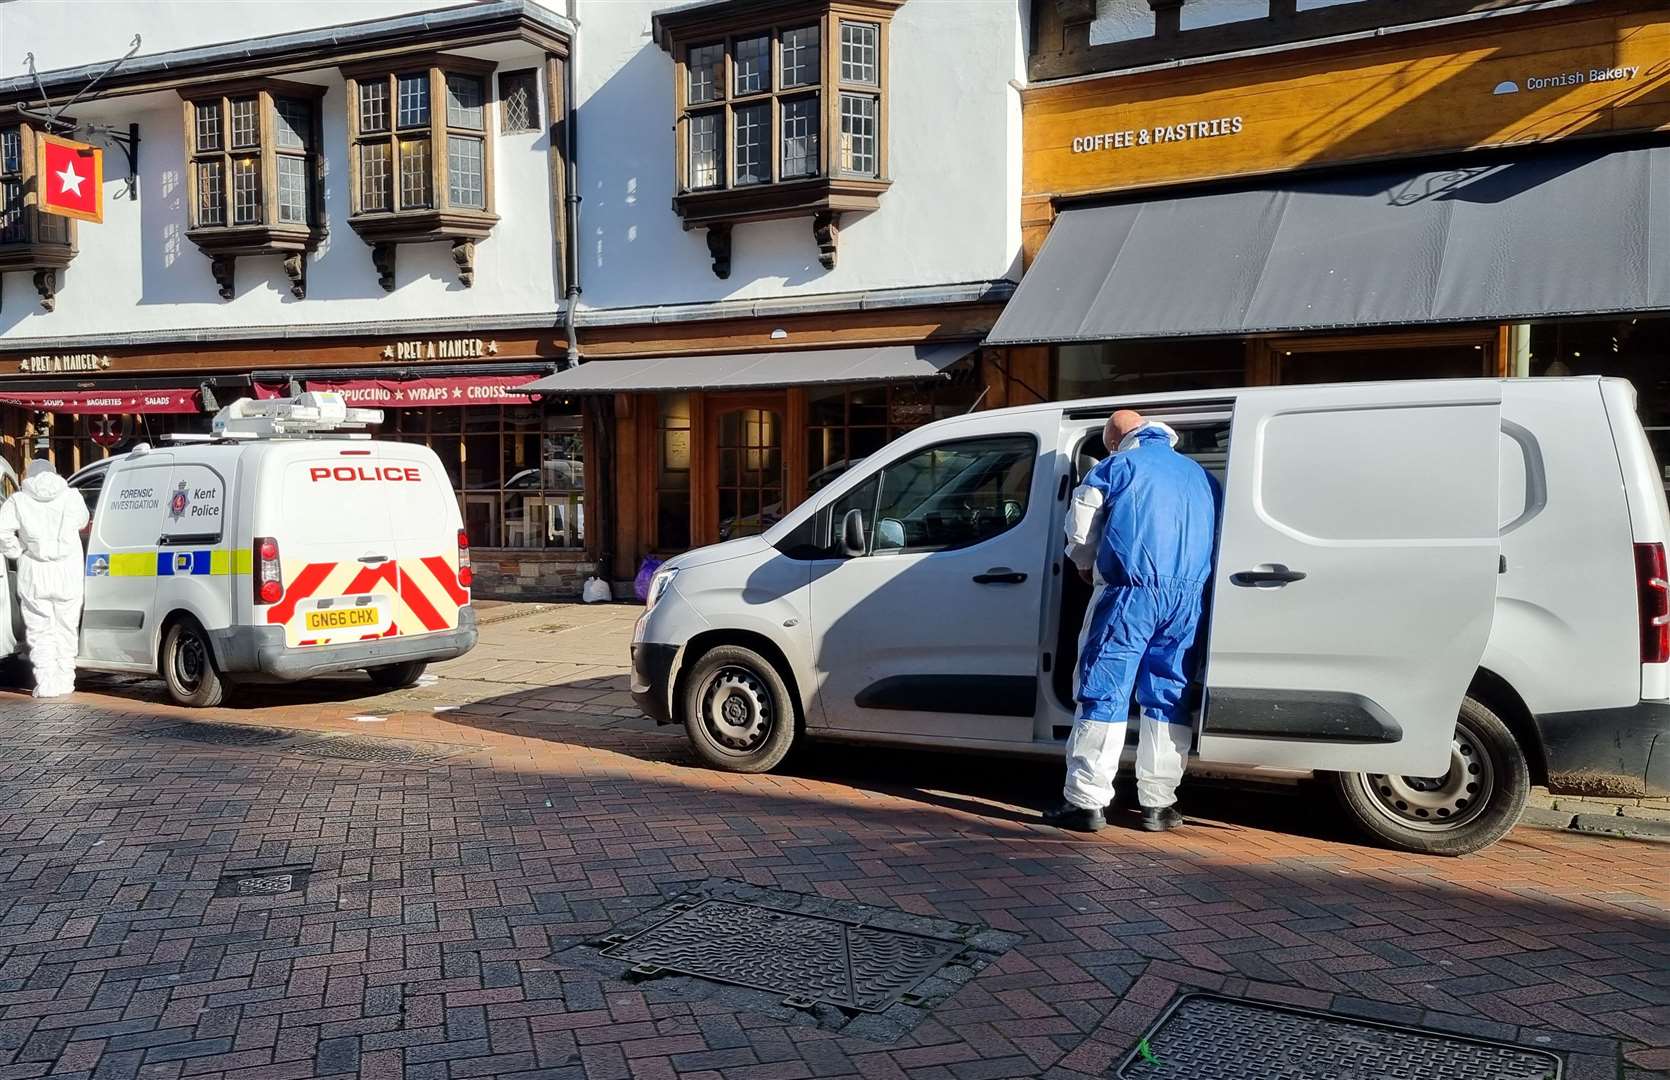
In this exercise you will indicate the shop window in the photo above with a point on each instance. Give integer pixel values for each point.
(750, 487)
(420, 149)
(844, 425)
(758, 105)
(76, 440)
(518, 471)
(252, 176)
(672, 489)
(29, 239)
(1632, 349)
(1141, 367)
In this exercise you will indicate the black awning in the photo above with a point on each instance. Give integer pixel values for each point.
(1535, 235)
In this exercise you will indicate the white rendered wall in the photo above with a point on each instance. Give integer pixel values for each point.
(69, 33)
(951, 215)
(137, 271)
(1121, 20)
(1197, 14)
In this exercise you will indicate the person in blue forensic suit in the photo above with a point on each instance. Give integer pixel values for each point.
(1142, 527)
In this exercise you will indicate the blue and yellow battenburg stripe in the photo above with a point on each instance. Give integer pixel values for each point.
(202, 562)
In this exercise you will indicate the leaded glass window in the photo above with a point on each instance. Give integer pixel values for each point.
(465, 177)
(413, 100)
(706, 151)
(374, 106)
(246, 191)
(376, 178)
(211, 193)
(858, 134)
(753, 144)
(246, 123)
(293, 123)
(518, 102)
(464, 102)
(752, 60)
(208, 124)
(706, 64)
(859, 52)
(800, 56)
(800, 137)
(416, 180)
(292, 190)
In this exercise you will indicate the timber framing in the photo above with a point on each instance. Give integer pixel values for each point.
(374, 41)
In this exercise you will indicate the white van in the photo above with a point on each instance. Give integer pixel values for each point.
(1429, 594)
(275, 552)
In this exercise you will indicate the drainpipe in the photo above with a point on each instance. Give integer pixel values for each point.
(596, 408)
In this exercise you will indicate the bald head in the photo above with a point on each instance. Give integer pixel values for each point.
(1119, 425)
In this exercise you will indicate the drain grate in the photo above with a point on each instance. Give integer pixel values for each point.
(271, 881)
(223, 734)
(371, 751)
(810, 959)
(1206, 1037)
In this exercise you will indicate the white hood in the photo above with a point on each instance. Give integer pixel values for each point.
(45, 487)
(44, 519)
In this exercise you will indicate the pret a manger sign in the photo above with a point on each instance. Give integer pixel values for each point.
(1498, 82)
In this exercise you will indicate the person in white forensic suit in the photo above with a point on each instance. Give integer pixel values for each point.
(40, 527)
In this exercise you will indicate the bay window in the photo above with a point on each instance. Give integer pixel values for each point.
(420, 157)
(252, 176)
(779, 115)
(29, 238)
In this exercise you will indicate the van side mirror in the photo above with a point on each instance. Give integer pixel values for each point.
(853, 534)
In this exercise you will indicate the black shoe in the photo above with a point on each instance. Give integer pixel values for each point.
(1077, 818)
(1160, 818)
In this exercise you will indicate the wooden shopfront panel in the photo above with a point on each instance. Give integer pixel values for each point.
(1497, 82)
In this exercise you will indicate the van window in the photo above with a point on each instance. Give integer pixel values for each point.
(327, 501)
(953, 495)
(133, 515)
(196, 501)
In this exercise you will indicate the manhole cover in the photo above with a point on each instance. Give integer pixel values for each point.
(223, 734)
(374, 751)
(551, 628)
(272, 881)
(1205, 1037)
(807, 958)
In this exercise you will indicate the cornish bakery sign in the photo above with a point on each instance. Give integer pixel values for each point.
(1504, 81)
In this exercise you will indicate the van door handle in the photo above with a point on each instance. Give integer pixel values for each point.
(1000, 575)
(373, 560)
(1269, 575)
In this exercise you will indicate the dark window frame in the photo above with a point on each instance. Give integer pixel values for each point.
(436, 131)
(264, 154)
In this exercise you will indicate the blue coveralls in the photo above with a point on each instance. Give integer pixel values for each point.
(1158, 516)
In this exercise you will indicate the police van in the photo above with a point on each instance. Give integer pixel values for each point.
(286, 544)
(1428, 595)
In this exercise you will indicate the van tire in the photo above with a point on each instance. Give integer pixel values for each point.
(1485, 755)
(188, 667)
(737, 710)
(397, 676)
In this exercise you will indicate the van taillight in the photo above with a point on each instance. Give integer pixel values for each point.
(1653, 587)
(268, 578)
(464, 574)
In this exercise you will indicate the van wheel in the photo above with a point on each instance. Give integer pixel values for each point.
(1468, 808)
(188, 667)
(737, 710)
(397, 676)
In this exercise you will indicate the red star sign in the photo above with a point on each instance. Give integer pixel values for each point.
(70, 178)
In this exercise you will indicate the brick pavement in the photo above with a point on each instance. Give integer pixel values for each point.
(426, 944)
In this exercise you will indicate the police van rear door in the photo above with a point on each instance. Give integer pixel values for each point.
(1356, 575)
(426, 525)
(335, 544)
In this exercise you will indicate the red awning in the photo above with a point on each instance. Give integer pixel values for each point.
(102, 401)
(417, 393)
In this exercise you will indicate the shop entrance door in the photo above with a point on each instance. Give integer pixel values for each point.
(745, 439)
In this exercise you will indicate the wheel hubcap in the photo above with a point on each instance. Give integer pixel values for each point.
(736, 710)
(1437, 803)
(188, 663)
